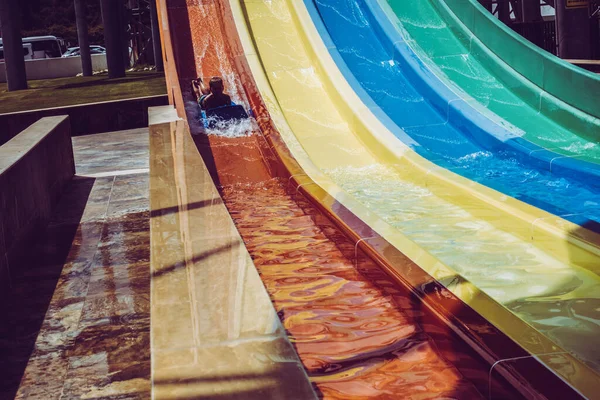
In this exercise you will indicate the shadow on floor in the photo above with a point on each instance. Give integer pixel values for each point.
(34, 282)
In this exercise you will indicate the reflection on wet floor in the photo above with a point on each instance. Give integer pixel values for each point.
(76, 323)
(355, 338)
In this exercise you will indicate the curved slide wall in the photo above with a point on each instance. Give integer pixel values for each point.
(350, 25)
(551, 105)
(339, 143)
(558, 78)
(440, 125)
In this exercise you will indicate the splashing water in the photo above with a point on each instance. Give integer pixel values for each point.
(233, 128)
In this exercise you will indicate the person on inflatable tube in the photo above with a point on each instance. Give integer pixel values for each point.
(213, 96)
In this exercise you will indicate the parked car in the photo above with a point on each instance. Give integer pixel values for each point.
(74, 51)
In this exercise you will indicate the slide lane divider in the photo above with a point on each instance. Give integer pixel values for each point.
(535, 67)
(554, 230)
(463, 111)
(543, 221)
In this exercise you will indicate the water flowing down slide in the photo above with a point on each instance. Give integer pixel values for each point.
(550, 105)
(481, 240)
(455, 132)
(555, 104)
(357, 332)
(423, 107)
(530, 273)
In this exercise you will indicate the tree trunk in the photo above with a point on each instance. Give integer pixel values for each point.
(113, 38)
(12, 41)
(156, 45)
(82, 37)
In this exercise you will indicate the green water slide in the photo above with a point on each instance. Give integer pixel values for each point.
(547, 101)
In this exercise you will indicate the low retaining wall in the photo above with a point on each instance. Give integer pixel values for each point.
(205, 288)
(35, 166)
(87, 118)
(48, 68)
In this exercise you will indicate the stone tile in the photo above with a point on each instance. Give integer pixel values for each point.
(60, 328)
(89, 275)
(74, 280)
(126, 231)
(44, 377)
(121, 255)
(85, 199)
(172, 287)
(99, 376)
(119, 208)
(123, 279)
(112, 151)
(67, 243)
(131, 187)
(125, 339)
(98, 307)
(173, 325)
(239, 306)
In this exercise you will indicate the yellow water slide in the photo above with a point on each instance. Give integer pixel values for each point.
(497, 254)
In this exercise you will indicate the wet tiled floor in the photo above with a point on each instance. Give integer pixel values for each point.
(76, 323)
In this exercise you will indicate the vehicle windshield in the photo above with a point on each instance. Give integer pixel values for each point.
(50, 47)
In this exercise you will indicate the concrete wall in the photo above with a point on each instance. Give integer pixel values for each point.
(35, 166)
(47, 68)
(87, 118)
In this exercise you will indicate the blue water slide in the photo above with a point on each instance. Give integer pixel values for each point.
(439, 125)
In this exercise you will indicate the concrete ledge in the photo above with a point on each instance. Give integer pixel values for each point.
(107, 116)
(214, 331)
(35, 166)
(49, 68)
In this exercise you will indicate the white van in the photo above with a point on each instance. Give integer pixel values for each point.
(27, 52)
(44, 46)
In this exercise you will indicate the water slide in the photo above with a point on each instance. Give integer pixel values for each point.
(550, 105)
(436, 97)
(566, 95)
(351, 325)
(506, 259)
(457, 132)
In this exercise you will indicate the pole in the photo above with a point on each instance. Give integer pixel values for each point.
(573, 29)
(504, 11)
(530, 11)
(113, 38)
(123, 18)
(12, 41)
(487, 4)
(82, 37)
(156, 45)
